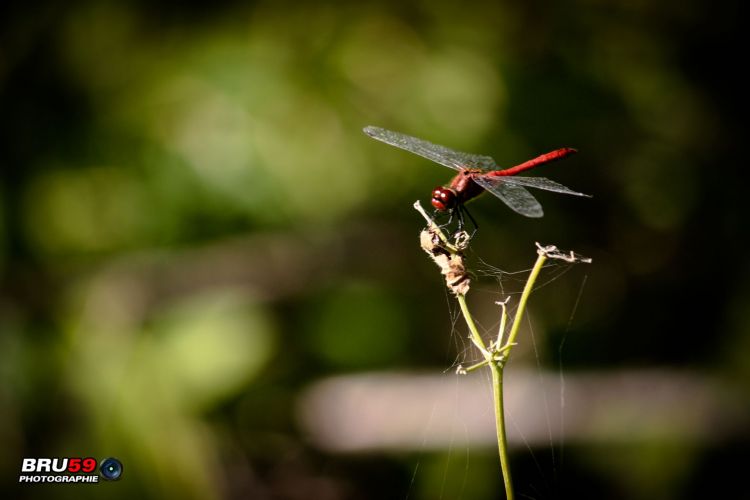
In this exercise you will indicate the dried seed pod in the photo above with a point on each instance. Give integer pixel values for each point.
(450, 261)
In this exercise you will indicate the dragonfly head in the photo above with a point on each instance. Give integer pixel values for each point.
(443, 198)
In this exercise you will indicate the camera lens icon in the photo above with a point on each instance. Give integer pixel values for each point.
(111, 469)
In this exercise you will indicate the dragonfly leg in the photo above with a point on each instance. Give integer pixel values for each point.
(460, 216)
(457, 212)
(437, 215)
(461, 210)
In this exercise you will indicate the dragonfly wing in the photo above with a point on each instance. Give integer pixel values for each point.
(456, 160)
(513, 195)
(542, 183)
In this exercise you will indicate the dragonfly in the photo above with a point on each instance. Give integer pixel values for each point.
(479, 173)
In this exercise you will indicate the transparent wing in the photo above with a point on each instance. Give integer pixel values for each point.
(540, 183)
(513, 195)
(456, 160)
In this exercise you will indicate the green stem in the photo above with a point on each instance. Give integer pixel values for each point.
(540, 260)
(497, 396)
(502, 441)
(473, 327)
(497, 364)
(498, 354)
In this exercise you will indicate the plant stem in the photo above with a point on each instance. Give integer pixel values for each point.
(449, 257)
(540, 260)
(502, 441)
(476, 337)
(496, 359)
(497, 395)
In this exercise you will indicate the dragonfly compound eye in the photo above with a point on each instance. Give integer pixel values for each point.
(443, 198)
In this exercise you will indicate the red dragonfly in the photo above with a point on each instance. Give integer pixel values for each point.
(477, 173)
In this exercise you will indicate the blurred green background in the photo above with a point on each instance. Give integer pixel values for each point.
(193, 230)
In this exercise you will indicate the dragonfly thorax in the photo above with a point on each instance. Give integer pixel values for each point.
(460, 190)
